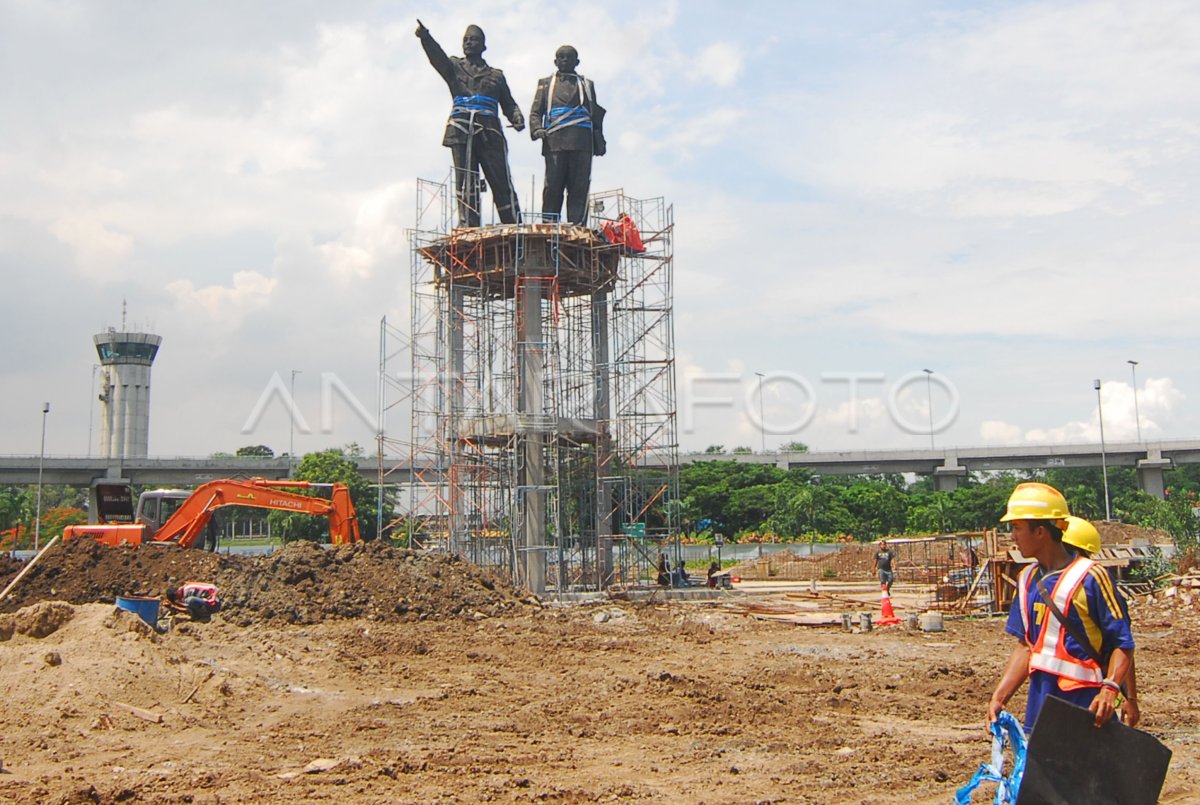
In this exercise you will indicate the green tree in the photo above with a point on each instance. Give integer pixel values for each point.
(714, 449)
(259, 450)
(878, 508)
(336, 465)
(794, 447)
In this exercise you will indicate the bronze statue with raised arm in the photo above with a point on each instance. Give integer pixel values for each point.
(473, 132)
(566, 118)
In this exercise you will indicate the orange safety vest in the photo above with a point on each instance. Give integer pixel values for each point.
(1049, 652)
(208, 592)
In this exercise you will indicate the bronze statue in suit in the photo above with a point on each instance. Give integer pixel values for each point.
(566, 118)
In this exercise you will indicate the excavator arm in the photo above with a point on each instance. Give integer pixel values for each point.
(186, 526)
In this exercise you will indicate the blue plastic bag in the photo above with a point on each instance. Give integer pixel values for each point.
(1005, 729)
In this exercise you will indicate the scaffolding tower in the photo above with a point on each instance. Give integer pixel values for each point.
(543, 437)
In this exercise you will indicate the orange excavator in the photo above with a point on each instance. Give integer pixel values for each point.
(181, 517)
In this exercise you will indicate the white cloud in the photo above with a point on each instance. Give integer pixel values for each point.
(993, 431)
(721, 63)
(98, 249)
(1157, 403)
(250, 291)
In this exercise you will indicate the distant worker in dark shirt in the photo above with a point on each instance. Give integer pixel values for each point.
(564, 115)
(713, 571)
(883, 565)
(473, 132)
(664, 571)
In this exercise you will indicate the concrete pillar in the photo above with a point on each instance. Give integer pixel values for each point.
(456, 526)
(945, 477)
(602, 404)
(530, 439)
(1150, 472)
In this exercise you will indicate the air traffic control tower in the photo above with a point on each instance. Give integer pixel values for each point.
(125, 392)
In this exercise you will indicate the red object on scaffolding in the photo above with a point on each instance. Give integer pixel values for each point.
(624, 232)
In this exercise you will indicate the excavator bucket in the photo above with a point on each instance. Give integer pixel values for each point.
(1069, 760)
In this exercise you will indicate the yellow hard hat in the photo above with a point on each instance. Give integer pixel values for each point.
(1034, 501)
(1083, 535)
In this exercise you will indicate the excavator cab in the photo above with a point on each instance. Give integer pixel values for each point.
(155, 507)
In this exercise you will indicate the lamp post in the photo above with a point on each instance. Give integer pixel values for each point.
(929, 395)
(37, 518)
(1103, 458)
(762, 422)
(1137, 417)
(292, 424)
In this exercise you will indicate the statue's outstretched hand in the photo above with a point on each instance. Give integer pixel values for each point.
(518, 120)
(540, 134)
(422, 31)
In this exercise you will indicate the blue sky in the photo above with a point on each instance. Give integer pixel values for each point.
(1003, 193)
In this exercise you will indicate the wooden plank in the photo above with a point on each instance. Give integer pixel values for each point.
(145, 715)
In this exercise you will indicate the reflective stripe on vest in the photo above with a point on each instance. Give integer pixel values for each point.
(206, 591)
(1049, 653)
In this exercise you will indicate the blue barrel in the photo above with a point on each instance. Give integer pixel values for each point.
(144, 608)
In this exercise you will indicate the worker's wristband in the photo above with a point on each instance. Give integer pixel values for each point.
(1111, 685)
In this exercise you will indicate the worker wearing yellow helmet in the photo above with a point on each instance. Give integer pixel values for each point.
(1087, 671)
(1084, 537)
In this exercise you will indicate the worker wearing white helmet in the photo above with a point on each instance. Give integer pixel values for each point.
(1087, 670)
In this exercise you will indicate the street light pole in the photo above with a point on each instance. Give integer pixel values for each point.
(1103, 458)
(1136, 416)
(929, 395)
(762, 422)
(292, 424)
(37, 518)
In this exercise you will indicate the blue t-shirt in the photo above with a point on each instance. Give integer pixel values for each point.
(1097, 610)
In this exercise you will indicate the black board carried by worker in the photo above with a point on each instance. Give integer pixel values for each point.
(1070, 761)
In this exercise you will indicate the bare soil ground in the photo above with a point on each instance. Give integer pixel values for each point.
(393, 688)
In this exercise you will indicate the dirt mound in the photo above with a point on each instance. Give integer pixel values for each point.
(303, 583)
(40, 620)
(1114, 533)
(848, 562)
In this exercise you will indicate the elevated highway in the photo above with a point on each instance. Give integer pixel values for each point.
(947, 467)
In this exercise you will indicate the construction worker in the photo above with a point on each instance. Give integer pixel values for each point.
(196, 598)
(883, 565)
(1083, 538)
(1048, 653)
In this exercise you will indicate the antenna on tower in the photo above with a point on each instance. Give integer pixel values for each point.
(122, 314)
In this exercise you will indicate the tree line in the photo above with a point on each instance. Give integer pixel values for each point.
(761, 501)
(742, 502)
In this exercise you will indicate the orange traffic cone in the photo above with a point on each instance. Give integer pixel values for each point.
(887, 617)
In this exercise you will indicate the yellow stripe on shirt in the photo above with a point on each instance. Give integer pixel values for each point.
(1106, 590)
(1094, 635)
